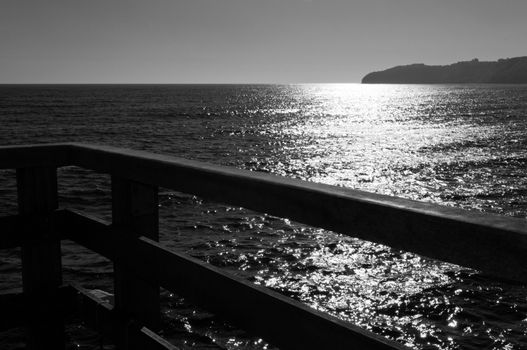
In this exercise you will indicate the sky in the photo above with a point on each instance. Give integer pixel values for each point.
(247, 41)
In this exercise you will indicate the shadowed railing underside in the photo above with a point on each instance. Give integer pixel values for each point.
(493, 244)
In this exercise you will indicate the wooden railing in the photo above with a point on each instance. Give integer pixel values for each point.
(493, 244)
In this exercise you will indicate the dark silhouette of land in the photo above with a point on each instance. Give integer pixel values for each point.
(506, 71)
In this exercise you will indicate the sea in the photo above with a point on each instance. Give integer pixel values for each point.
(463, 146)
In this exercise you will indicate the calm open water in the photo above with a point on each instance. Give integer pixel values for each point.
(456, 145)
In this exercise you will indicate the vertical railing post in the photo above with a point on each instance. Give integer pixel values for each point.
(135, 210)
(41, 257)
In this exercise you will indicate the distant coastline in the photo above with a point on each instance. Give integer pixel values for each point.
(502, 71)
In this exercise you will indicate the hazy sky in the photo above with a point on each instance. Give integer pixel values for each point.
(232, 41)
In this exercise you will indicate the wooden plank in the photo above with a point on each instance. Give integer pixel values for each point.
(89, 231)
(490, 243)
(280, 320)
(41, 257)
(22, 156)
(144, 338)
(101, 317)
(94, 312)
(134, 210)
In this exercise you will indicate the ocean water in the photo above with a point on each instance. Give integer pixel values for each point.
(455, 145)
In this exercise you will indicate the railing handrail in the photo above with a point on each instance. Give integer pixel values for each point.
(491, 243)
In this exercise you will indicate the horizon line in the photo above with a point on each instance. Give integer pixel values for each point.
(240, 83)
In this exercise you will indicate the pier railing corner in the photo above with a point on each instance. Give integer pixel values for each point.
(490, 243)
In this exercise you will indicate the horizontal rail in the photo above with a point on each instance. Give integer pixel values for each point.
(277, 318)
(51, 154)
(490, 243)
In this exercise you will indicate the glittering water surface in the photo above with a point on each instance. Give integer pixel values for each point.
(456, 145)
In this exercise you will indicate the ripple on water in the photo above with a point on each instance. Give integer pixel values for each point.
(457, 145)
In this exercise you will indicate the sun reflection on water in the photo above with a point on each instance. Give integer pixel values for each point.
(463, 146)
(426, 143)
